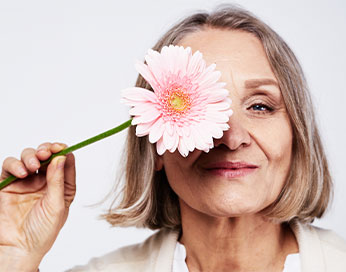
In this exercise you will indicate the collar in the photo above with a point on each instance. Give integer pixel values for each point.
(310, 248)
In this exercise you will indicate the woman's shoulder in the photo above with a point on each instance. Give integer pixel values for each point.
(320, 249)
(146, 256)
(331, 239)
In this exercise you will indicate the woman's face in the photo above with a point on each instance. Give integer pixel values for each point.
(247, 168)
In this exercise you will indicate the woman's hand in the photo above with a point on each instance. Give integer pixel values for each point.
(34, 208)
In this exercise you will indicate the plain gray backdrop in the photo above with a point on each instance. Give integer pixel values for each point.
(63, 63)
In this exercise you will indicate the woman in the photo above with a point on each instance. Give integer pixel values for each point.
(244, 206)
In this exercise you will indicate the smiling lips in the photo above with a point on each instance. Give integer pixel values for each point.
(230, 170)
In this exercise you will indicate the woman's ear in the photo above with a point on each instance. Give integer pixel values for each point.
(158, 163)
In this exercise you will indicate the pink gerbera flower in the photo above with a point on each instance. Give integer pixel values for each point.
(188, 107)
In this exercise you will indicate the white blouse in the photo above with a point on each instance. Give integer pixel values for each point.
(292, 263)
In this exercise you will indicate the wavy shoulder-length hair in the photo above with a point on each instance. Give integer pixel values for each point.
(147, 200)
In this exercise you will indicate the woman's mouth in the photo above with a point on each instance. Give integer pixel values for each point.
(229, 169)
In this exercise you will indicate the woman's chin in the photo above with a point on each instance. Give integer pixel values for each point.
(229, 209)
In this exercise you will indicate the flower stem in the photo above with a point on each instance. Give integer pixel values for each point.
(72, 148)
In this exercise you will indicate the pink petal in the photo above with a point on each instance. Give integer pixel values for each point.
(196, 64)
(184, 60)
(214, 130)
(207, 149)
(173, 56)
(221, 106)
(229, 112)
(189, 142)
(169, 128)
(179, 130)
(175, 145)
(146, 117)
(156, 131)
(136, 94)
(169, 140)
(160, 147)
(143, 129)
(197, 139)
(214, 94)
(209, 78)
(218, 117)
(205, 137)
(142, 108)
(166, 59)
(224, 126)
(153, 59)
(182, 148)
(186, 131)
(147, 75)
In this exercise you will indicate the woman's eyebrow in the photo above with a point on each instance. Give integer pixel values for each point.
(255, 83)
(251, 87)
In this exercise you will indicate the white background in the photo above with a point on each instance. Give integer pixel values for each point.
(63, 63)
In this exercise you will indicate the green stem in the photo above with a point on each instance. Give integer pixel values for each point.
(72, 148)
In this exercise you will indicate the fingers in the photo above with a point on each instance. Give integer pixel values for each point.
(30, 160)
(32, 157)
(12, 166)
(45, 150)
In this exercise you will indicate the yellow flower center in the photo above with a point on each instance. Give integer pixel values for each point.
(179, 101)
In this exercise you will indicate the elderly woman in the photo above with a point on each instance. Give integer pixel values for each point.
(244, 206)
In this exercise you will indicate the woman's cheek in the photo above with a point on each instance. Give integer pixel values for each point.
(273, 136)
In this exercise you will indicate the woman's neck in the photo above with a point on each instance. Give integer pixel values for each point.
(245, 243)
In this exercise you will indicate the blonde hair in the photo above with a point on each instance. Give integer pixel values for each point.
(147, 200)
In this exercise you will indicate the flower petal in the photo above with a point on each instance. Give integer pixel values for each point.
(214, 130)
(147, 74)
(196, 65)
(146, 117)
(168, 139)
(169, 128)
(189, 142)
(143, 129)
(175, 145)
(221, 106)
(154, 65)
(160, 147)
(156, 131)
(197, 139)
(142, 108)
(183, 150)
(217, 116)
(133, 95)
(209, 77)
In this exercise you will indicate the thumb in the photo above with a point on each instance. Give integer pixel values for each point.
(55, 183)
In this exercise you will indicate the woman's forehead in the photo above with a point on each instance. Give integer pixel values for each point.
(236, 53)
(222, 44)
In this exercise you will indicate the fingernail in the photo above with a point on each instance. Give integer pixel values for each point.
(42, 148)
(33, 162)
(61, 162)
(22, 171)
(59, 145)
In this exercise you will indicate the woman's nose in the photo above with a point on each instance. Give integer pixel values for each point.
(237, 135)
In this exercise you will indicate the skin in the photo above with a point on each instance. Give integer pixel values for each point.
(222, 225)
(34, 209)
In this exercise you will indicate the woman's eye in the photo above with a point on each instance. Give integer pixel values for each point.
(261, 108)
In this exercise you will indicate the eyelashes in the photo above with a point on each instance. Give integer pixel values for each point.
(261, 108)
(261, 104)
